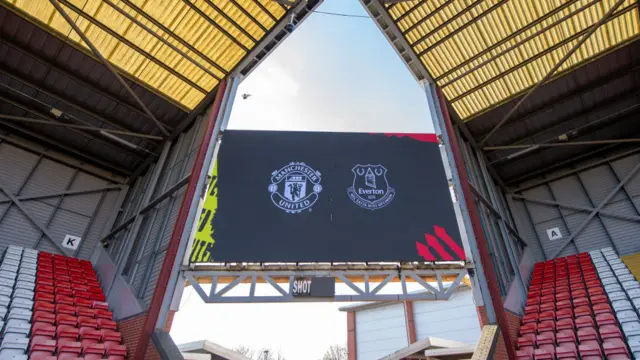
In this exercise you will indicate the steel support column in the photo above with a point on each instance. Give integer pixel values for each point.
(489, 283)
(185, 216)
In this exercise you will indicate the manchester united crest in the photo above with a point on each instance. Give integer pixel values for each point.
(295, 187)
(370, 189)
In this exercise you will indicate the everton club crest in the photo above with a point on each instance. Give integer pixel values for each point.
(295, 187)
(370, 188)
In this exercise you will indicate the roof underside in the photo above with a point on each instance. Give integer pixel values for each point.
(208, 37)
(483, 53)
(171, 53)
(596, 102)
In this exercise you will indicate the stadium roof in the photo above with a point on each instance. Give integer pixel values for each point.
(180, 49)
(482, 53)
(172, 54)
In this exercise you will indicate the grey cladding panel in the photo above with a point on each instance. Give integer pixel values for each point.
(588, 189)
(39, 174)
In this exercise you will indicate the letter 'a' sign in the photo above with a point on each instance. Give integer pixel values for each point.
(306, 286)
(278, 196)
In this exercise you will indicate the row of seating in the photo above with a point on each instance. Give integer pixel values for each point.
(623, 290)
(568, 314)
(65, 316)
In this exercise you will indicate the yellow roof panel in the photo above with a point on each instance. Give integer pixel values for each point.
(485, 52)
(209, 37)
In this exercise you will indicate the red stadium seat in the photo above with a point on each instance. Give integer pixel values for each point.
(97, 297)
(524, 340)
(602, 309)
(615, 347)
(89, 335)
(65, 309)
(114, 337)
(545, 352)
(63, 285)
(548, 325)
(85, 311)
(42, 331)
(548, 292)
(85, 321)
(584, 321)
(582, 311)
(104, 314)
(82, 302)
(563, 296)
(93, 348)
(599, 299)
(81, 294)
(44, 306)
(605, 319)
(530, 318)
(118, 352)
(565, 336)
(43, 346)
(61, 290)
(546, 338)
(565, 324)
(100, 305)
(588, 334)
(69, 350)
(610, 332)
(580, 301)
(111, 325)
(43, 296)
(62, 299)
(44, 289)
(44, 317)
(67, 332)
(533, 301)
(547, 315)
(65, 319)
(567, 351)
(533, 309)
(564, 314)
(548, 306)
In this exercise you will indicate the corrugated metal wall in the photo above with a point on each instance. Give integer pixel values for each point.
(142, 265)
(50, 189)
(380, 331)
(564, 200)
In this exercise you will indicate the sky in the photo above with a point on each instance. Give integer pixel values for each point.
(331, 74)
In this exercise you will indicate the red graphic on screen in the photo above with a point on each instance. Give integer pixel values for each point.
(432, 138)
(433, 243)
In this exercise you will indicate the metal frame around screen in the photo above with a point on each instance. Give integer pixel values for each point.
(370, 291)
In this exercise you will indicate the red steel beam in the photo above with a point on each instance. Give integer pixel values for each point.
(485, 257)
(176, 236)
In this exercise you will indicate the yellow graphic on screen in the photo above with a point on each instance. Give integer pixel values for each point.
(202, 248)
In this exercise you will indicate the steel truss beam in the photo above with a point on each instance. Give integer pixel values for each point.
(370, 292)
(35, 221)
(106, 63)
(597, 210)
(569, 172)
(58, 122)
(64, 193)
(580, 208)
(40, 88)
(590, 86)
(578, 45)
(95, 87)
